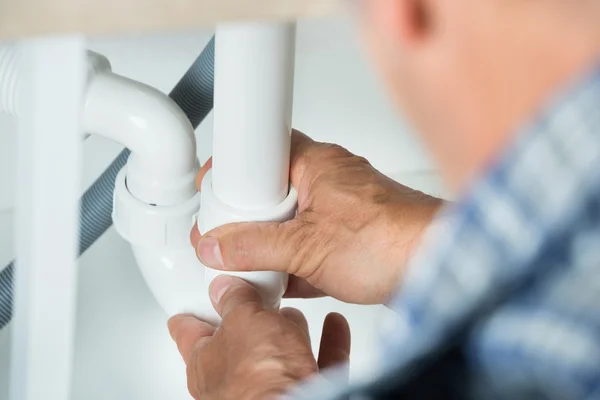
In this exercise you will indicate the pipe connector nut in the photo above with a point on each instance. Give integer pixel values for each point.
(213, 213)
(156, 227)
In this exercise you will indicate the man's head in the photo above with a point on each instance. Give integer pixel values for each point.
(468, 73)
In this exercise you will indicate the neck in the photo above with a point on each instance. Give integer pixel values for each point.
(508, 86)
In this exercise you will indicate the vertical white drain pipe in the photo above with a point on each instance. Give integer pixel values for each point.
(49, 165)
(254, 73)
(254, 80)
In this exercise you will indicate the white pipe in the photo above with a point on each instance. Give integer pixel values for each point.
(176, 279)
(214, 212)
(253, 101)
(163, 164)
(249, 181)
(46, 221)
(254, 76)
(155, 197)
(10, 79)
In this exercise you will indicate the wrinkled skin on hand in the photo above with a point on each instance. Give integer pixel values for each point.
(254, 353)
(354, 232)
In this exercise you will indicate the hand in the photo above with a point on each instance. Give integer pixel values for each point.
(255, 353)
(353, 234)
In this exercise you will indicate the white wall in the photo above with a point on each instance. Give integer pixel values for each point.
(123, 350)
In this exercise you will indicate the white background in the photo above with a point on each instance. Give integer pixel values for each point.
(123, 350)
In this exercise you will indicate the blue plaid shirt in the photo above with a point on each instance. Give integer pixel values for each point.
(502, 301)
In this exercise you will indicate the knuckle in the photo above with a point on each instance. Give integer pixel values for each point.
(319, 152)
(308, 250)
(200, 345)
(298, 243)
(360, 160)
(248, 305)
(330, 150)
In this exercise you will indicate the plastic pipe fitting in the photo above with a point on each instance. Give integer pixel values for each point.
(162, 166)
(214, 212)
(249, 181)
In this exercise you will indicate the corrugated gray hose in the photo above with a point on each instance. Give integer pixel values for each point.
(194, 94)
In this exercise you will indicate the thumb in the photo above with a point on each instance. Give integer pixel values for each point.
(227, 293)
(257, 246)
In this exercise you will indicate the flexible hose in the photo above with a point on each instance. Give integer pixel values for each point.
(194, 94)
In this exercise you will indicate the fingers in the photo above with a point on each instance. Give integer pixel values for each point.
(195, 235)
(335, 341)
(299, 288)
(187, 331)
(252, 246)
(230, 292)
(267, 246)
(297, 318)
(203, 170)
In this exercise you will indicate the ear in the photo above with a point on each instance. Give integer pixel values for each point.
(406, 21)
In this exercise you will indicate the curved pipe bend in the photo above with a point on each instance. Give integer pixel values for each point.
(163, 163)
(174, 274)
(160, 172)
(176, 279)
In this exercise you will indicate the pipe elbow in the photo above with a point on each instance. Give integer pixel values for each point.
(163, 163)
(176, 279)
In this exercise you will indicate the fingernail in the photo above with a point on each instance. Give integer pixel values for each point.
(219, 286)
(209, 252)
